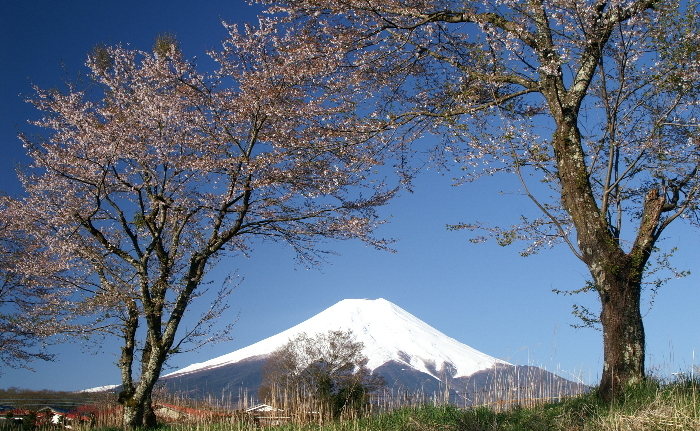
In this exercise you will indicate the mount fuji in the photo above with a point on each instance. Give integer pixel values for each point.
(409, 354)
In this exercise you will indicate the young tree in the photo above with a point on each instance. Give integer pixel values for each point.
(154, 171)
(326, 372)
(596, 99)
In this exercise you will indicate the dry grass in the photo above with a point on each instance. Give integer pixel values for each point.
(653, 406)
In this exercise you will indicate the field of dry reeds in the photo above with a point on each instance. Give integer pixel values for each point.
(657, 404)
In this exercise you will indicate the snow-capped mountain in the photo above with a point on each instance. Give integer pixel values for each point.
(388, 332)
(409, 354)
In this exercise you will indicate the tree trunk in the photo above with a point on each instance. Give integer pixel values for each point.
(617, 275)
(133, 415)
(138, 410)
(139, 414)
(623, 335)
(149, 416)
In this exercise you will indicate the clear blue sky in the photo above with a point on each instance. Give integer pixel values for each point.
(481, 294)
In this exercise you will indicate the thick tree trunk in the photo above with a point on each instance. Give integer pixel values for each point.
(149, 415)
(623, 336)
(139, 414)
(138, 410)
(132, 417)
(619, 281)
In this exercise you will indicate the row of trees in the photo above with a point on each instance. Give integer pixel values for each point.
(155, 170)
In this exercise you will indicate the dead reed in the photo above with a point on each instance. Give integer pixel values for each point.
(506, 404)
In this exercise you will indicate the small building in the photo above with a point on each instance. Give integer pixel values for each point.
(173, 413)
(262, 408)
(266, 415)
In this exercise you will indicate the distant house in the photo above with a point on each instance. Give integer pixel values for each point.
(262, 408)
(13, 411)
(172, 413)
(53, 415)
(46, 415)
(266, 415)
(9, 412)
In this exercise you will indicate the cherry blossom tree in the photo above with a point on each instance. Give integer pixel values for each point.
(325, 372)
(21, 326)
(153, 172)
(591, 104)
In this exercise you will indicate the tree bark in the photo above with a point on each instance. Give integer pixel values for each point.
(138, 409)
(133, 415)
(619, 282)
(149, 415)
(137, 398)
(623, 336)
(617, 273)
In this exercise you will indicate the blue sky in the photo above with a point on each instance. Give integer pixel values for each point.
(483, 295)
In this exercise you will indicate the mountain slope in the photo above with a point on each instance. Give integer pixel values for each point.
(388, 333)
(412, 357)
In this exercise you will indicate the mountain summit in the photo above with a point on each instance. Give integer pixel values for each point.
(411, 356)
(388, 332)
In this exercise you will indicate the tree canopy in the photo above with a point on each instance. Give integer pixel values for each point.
(152, 171)
(592, 105)
(23, 329)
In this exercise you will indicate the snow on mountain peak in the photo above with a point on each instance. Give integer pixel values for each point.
(388, 332)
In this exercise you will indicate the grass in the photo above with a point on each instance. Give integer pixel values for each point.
(652, 406)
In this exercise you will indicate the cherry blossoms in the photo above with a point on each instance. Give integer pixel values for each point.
(154, 171)
(592, 105)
